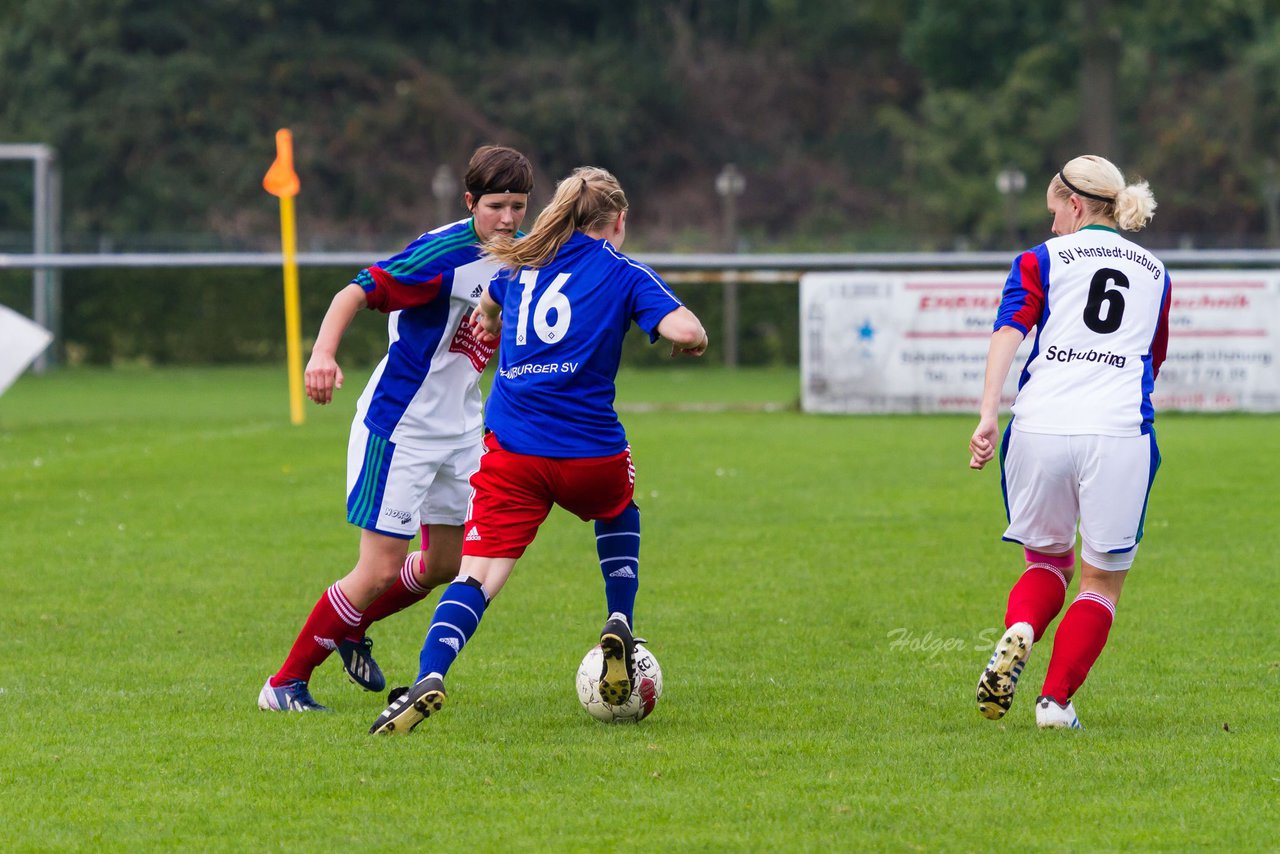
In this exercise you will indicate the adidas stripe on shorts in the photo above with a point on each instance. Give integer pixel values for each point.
(513, 493)
(393, 488)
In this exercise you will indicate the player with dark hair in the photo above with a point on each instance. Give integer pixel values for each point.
(1080, 448)
(415, 439)
(561, 305)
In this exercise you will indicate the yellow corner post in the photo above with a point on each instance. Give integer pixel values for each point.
(282, 181)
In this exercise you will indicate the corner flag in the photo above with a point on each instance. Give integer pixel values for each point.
(282, 181)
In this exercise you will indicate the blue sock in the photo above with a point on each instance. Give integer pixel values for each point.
(618, 544)
(456, 619)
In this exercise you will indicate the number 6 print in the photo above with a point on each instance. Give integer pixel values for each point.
(552, 299)
(1114, 299)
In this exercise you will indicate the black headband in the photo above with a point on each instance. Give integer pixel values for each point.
(1079, 192)
(476, 193)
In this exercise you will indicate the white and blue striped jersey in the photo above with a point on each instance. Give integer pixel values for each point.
(1100, 306)
(425, 392)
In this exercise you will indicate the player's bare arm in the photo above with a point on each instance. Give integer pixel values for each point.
(323, 374)
(1004, 345)
(683, 329)
(486, 320)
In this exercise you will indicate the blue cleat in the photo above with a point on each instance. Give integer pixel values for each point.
(289, 697)
(357, 660)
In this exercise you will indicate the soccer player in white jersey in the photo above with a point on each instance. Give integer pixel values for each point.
(562, 304)
(415, 439)
(1080, 448)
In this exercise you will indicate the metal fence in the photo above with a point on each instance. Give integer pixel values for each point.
(727, 270)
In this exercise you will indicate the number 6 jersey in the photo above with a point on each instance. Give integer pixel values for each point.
(1101, 307)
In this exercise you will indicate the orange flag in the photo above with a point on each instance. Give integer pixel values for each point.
(280, 179)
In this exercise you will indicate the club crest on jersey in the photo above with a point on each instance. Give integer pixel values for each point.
(465, 343)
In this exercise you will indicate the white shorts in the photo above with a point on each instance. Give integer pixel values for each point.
(393, 489)
(1052, 482)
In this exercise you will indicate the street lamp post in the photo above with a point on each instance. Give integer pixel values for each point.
(730, 184)
(444, 186)
(1011, 181)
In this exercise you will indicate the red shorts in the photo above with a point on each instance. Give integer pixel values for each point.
(513, 493)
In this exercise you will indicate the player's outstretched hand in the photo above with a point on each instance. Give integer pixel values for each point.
(322, 376)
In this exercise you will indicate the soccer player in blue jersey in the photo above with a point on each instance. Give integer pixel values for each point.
(415, 439)
(561, 305)
(1080, 449)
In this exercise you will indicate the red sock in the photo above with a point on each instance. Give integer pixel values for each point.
(1079, 641)
(1038, 596)
(331, 619)
(409, 588)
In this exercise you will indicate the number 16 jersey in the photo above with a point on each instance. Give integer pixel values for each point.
(562, 331)
(1100, 305)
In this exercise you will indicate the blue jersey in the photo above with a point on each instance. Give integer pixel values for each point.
(562, 331)
(426, 392)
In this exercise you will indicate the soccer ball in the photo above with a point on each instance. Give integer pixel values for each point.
(644, 694)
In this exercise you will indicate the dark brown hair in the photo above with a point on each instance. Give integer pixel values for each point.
(497, 169)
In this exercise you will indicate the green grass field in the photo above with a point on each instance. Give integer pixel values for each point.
(822, 593)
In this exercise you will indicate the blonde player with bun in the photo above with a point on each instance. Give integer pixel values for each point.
(1080, 449)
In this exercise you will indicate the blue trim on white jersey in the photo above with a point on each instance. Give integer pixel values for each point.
(1042, 264)
(1004, 481)
(1148, 410)
(1151, 479)
(408, 363)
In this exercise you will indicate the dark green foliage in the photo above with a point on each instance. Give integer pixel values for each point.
(194, 316)
(876, 125)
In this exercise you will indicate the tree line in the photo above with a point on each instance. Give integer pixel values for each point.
(859, 125)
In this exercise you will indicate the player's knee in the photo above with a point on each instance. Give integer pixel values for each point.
(440, 566)
(1108, 561)
(1062, 555)
(628, 519)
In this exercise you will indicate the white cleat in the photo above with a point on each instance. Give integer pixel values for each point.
(1000, 678)
(1050, 714)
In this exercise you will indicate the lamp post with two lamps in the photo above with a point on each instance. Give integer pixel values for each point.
(1011, 181)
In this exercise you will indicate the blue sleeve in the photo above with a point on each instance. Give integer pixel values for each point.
(1022, 301)
(498, 285)
(651, 300)
(429, 256)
